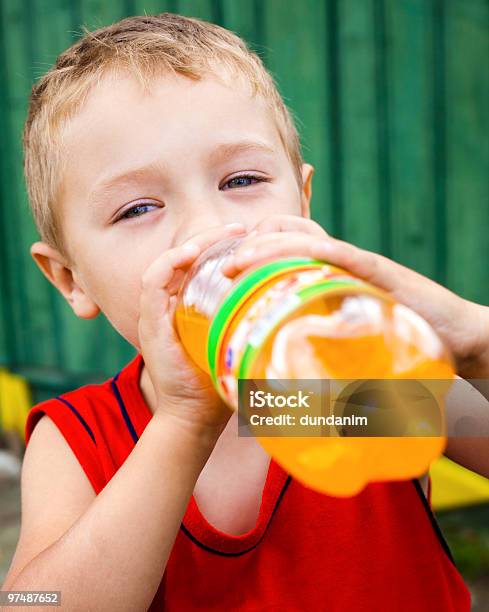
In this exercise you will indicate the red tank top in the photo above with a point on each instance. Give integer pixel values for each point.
(379, 550)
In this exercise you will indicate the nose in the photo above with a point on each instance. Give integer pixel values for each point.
(207, 217)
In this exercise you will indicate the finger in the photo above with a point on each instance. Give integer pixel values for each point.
(255, 240)
(154, 295)
(255, 247)
(250, 244)
(210, 236)
(177, 281)
(164, 276)
(284, 223)
(372, 267)
(205, 240)
(406, 285)
(162, 269)
(287, 244)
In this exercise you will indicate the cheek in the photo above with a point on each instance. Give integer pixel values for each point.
(287, 200)
(282, 199)
(113, 273)
(115, 285)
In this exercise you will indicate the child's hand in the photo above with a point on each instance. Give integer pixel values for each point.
(462, 325)
(182, 389)
(277, 236)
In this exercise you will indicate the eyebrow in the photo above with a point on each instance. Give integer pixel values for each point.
(228, 149)
(129, 176)
(221, 151)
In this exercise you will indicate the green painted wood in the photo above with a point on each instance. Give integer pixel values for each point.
(46, 34)
(152, 7)
(8, 336)
(242, 19)
(467, 147)
(358, 140)
(14, 20)
(202, 9)
(296, 54)
(98, 13)
(411, 84)
(382, 124)
(391, 99)
(52, 32)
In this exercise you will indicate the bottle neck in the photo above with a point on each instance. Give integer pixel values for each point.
(208, 287)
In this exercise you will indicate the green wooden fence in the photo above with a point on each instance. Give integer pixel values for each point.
(391, 99)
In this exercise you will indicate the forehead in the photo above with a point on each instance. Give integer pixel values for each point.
(120, 123)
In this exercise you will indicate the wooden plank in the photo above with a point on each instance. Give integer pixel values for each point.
(359, 146)
(96, 14)
(153, 7)
(49, 30)
(241, 18)
(333, 119)
(8, 339)
(467, 89)
(18, 81)
(203, 9)
(412, 135)
(297, 57)
(382, 124)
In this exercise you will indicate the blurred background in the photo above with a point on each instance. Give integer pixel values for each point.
(391, 98)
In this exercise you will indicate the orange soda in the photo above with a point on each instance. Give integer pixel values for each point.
(302, 319)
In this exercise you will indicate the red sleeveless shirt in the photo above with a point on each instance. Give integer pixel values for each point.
(379, 550)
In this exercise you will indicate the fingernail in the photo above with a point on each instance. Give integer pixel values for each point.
(324, 251)
(190, 247)
(234, 225)
(327, 247)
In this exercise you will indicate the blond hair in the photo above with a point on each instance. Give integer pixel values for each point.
(145, 46)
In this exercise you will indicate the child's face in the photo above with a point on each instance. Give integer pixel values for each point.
(174, 154)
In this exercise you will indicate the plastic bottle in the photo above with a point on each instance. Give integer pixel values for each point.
(300, 318)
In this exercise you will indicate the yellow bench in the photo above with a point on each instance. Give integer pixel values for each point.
(453, 486)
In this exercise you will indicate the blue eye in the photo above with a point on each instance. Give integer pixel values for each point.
(137, 211)
(243, 180)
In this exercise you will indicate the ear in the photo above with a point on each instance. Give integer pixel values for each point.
(307, 172)
(56, 269)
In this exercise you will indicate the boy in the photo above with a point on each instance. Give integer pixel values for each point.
(145, 144)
